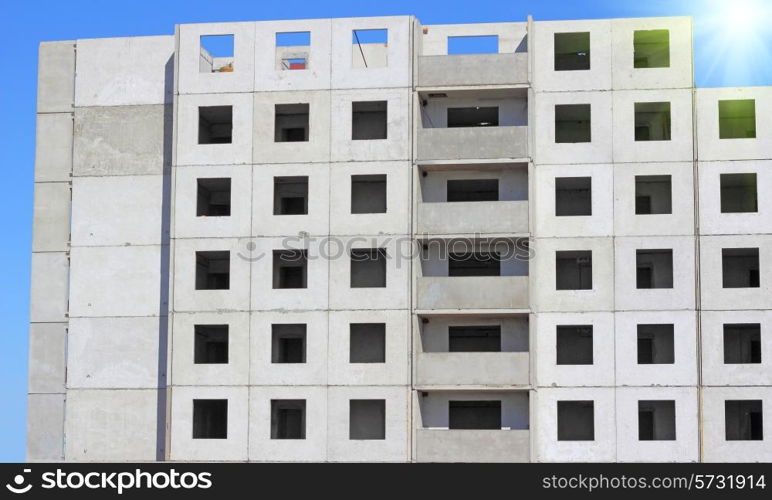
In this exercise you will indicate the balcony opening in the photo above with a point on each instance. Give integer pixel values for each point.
(474, 338)
(213, 197)
(288, 343)
(290, 269)
(479, 44)
(739, 193)
(210, 419)
(367, 343)
(574, 344)
(367, 419)
(291, 123)
(474, 414)
(216, 53)
(368, 120)
(576, 421)
(652, 121)
(215, 124)
(654, 268)
(573, 270)
(473, 190)
(473, 116)
(573, 196)
(651, 49)
(737, 119)
(656, 420)
(474, 264)
(368, 268)
(572, 51)
(744, 420)
(211, 344)
(653, 195)
(293, 50)
(740, 267)
(290, 195)
(655, 344)
(213, 270)
(742, 343)
(572, 123)
(288, 419)
(368, 194)
(370, 48)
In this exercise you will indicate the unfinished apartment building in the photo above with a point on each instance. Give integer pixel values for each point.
(374, 240)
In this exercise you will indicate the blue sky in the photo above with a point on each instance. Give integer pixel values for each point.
(729, 47)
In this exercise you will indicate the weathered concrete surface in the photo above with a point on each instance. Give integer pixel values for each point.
(472, 143)
(477, 69)
(473, 292)
(480, 217)
(467, 445)
(47, 357)
(121, 140)
(472, 368)
(56, 77)
(49, 288)
(51, 226)
(45, 427)
(53, 147)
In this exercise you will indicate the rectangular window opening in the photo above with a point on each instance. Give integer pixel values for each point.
(744, 420)
(367, 343)
(655, 344)
(479, 44)
(215, 124)
(290, 195)
(288, 419)
(291, 123)
(368, 194)
(651, 49)
(740, 267)
(368, 120)
(367, 419)
(576, 421)
(213, 270)
(653, 194)
(572, 51)
(739, 193)
(216, 53)
(737, 119)
(572, 123)
(370, 48)
(211, 344)
(474, 414)
(573, 270)
(573, 196)
(293, 50)
(288, 343)
(213, 197)
(652, 121)
(210, 419)
(473, 190)
(474, 338)
(368, 268)
(473, 116)
(654, 268)
(574, 344)
(290, 269)
(742, 343)
(656, 420)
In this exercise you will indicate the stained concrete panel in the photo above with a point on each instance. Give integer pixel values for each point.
(116, 281)
(53, 147)
(56, 76)
(47, 357)
(49, 288)
(51, 227)
(113, 353)
(45, 427)
(394, 448)
(118, 210)
(122, 140)
(124, 71)
(111, 425)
